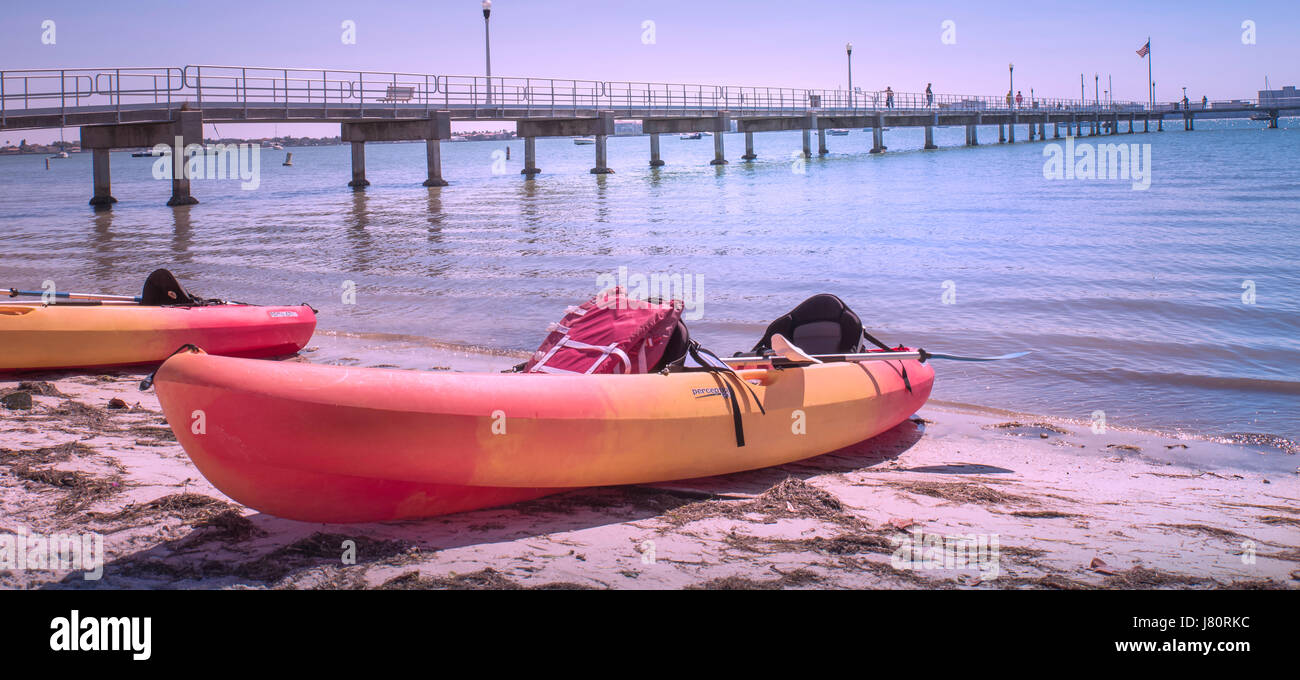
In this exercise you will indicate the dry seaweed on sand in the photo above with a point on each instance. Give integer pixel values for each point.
(80, 488)
(1145, 578)
(185, 506)
(1278, 519)
(317, 549)
(791, 498)
(484, 579)
(1042, 514)
(1224, 534)
(81, 414)
(853, 543)
(45, 454)
(962, 492)
(798, 577)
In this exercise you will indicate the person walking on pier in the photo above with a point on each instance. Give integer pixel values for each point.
(1008, 99)
(889, 97)
(1205, 102)
(929, 96)
(1019, 99)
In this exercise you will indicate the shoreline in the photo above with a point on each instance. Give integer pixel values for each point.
(1070, 509)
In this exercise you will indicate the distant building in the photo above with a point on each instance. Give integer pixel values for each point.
(1287, 96)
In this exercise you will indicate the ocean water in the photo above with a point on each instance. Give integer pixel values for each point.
(1136, 303)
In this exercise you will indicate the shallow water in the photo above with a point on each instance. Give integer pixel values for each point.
(1131, 300)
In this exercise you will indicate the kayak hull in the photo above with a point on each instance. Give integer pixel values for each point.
(37, 336)
(371, 440)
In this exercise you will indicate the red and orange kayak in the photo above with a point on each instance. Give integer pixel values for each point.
(343, 444)
(40, 336)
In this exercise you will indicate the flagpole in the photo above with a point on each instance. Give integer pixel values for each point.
(1151, 82)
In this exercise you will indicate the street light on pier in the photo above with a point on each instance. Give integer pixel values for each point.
(1011, 75)
(487, 42)
(848, 48)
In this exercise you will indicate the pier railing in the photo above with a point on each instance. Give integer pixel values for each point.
(328, 93)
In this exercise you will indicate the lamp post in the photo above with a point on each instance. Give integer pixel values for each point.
(487, 43)
(1011, 93)
(848, 48)
(1096, 95)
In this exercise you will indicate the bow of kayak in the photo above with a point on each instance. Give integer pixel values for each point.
(313, 442)
(39, 336)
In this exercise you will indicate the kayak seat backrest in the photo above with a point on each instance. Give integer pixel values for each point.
(162, 288)
(675, 351)
(818, 337)
(822, 324)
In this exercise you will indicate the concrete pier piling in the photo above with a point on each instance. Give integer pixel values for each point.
(878, 135)
(359, 166)
(433, 159)
(1031, 131)
(821, 142)
(929, 132)
(530, 157)
(749, 147)
(807, 143)
(602, 164)
(972, 135)
(429, 130)
(722, 126)
(1002, 133)
(655, 160)
(188, 128)
(103, 195)
(1011, 130)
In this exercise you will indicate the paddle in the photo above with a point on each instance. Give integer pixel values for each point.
(789, 354)
(14, 292)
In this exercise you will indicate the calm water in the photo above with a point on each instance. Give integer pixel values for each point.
(1131, 300)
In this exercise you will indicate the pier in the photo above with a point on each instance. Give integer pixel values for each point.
(121, 108)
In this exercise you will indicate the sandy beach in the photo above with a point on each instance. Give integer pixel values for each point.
(1051, 503)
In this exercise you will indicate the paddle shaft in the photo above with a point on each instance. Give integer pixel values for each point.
(14, 292)
(779, 361)
(919, 354)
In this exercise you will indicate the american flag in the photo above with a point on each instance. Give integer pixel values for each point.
(1145, 49)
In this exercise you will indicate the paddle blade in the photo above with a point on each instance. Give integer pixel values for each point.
(790, 352)
(954, 357)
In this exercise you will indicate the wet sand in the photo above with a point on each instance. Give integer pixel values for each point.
(1069, 508)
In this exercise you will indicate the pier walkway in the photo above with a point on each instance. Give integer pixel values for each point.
(136, 107)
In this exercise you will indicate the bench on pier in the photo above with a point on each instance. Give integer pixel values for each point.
(396, 93)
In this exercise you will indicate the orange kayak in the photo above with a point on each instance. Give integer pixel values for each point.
(39, 336)
(329, 443)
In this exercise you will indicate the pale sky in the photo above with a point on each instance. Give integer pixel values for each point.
(1195, 43)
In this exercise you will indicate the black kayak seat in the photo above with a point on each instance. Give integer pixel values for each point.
(162, 288)
(822, 324)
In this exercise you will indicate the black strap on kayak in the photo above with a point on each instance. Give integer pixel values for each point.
(870, 338)
(719, 367)
(148, 382)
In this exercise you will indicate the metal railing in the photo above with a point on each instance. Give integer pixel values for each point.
(317, 93)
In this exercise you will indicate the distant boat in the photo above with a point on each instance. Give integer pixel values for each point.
(61, 154)
(151, 153)
(277, 146)
(838, 132)
(1260, 116)
(693, 135)
(707, 134)
(584, 140)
